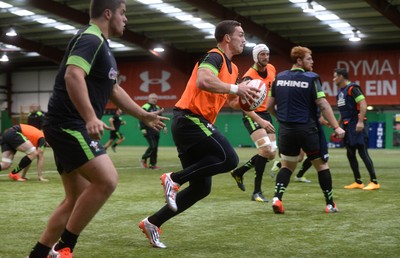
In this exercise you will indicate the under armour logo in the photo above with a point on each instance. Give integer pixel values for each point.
(145, 86)
(95, 145)
(210, 126)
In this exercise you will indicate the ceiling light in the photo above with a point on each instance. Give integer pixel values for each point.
(327, 17)
(63, 26)
(114, 44)
(355, 36)
(158, 49)
(11, 32)
(21, 12)
(250, 44)
(346, 31)
(10, 47)
(148, 2)
(5, 5)
(183, 17)
(171, 9)
(44, 20)
(298, 1)
(341, 25)
(204, 25)
(177, 13)
(193, 20)
(4, 58)
(309, 8)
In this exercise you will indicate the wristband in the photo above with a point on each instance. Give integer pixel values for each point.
(233, 89)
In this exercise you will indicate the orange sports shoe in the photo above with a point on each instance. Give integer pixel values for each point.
(277, 206)
(372, 186)
(16, 177)
(62, 253)
(354, 185)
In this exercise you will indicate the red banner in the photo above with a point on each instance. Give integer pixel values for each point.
(378, 74)
(139, 79)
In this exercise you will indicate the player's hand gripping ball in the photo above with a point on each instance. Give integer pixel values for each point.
(250, 105)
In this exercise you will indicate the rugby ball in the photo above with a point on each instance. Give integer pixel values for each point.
(259, 98)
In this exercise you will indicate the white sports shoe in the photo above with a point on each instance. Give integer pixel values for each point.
(274, 169)
(170, 190)
(301, 179)
(152, 233)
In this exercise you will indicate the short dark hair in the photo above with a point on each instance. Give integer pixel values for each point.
(97, 7)
(225, 27)
(343, 72)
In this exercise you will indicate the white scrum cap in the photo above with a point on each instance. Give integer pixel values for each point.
(257, 49)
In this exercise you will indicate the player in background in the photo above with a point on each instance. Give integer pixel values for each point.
(353, 108)
(152, 136)
(256, 123)
(115, 134)
(35, 116)
(27, 139)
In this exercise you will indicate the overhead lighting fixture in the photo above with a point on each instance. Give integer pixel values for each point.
(171, 9)
(5, 5)
(21, 12)
(184, 17)
(309, 7)
(355, 37)
(114, 44)
(158, 49)
(339, 25)
(63, 26)
(204, 25)
(4, 58)
(11, 32)
(44, 20)
(250, 44)
(177, 13)
(328, 16)
(148, 2)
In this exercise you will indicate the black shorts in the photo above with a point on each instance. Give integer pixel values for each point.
(71, 145)
(188, 129)
(12, 138)
(251, 125)
(116, 135)
(292, 137)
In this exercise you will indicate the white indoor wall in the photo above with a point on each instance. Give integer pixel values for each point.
(3, 95)
(31, 87)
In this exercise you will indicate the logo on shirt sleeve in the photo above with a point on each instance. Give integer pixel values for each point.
(112, 74)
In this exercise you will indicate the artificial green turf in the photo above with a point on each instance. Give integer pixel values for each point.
(226, 223)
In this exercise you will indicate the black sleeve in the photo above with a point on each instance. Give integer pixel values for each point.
(213, 59)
